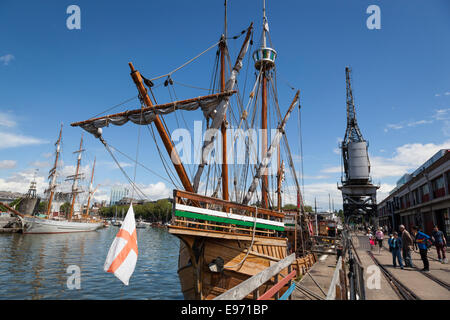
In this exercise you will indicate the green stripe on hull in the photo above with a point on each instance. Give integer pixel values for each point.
(199, 216)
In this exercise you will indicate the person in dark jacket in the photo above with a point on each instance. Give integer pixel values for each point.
(396, 245)
(421, 240)
(440, 243)
(407, 242)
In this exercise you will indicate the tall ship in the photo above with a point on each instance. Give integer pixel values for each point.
(49, 222)
(228, 209)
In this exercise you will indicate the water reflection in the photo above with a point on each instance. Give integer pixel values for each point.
(34, 266)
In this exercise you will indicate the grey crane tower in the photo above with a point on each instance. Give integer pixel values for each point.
(358, 192)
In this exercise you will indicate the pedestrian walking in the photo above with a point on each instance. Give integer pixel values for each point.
(423, 241)
(395, 244)
(407, 243)
(440, 243)
(379, 235)
(371, 239)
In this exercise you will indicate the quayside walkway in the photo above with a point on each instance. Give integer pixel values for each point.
(381, 280)
(433, 285)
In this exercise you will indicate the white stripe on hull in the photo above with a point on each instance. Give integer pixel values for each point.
(226, 215)
(37, 225)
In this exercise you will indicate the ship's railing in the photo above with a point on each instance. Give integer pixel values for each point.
(197, 212)
(252, 286)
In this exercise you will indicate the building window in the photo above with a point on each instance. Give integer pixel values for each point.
(416, 199)
(425, 193)
(438, 187)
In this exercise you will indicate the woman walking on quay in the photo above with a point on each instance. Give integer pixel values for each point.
(380, 236)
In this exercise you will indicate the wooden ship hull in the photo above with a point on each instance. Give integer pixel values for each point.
(220, 249)
(199, 282)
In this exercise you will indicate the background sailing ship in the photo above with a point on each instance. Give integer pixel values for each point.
(76, 220)
(228, 215)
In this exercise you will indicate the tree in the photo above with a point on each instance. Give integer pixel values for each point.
(65, 207)
(42, 208)
(289, 207)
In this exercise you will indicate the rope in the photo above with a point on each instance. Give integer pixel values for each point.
(133, 185)
(150, 129)
(190, 86)
(137, 152)
(115, 106)
(135, 160)
(251, 245)
(186, 63)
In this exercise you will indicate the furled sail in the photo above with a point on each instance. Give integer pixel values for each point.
(221, 109)
(274, 144)
(144, 116)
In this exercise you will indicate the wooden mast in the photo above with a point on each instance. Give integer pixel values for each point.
(75, 179)
(265, 180)
(90, 189)
(53, 174)
(279, 177)
(181, 171)
(223, 43)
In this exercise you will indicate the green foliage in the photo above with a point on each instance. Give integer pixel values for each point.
(65, 207)
(289, 207)
(15, 202)
(42, 208)
(160, 210)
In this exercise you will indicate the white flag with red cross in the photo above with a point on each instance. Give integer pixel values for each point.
(123, 253)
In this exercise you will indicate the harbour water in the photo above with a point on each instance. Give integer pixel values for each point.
(35, 266)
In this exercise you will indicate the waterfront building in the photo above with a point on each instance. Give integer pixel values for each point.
(117, 193)
(421, 198)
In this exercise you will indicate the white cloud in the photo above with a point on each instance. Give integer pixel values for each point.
(336, 169)
(11, 140)
(406, 157)
(442, 114)
(318, 177)
(394, 126)
(6, 120)
(404, 124)
(20, 182)
(40, 164)
(416, 123)
(320, 192)
(8, 164)
(384, 190)
(155, 191)
(447, 93)
(113, 165)
(6, 59)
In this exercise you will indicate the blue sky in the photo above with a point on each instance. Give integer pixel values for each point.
(50, 74)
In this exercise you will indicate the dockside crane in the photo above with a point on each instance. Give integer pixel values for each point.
(358, 192)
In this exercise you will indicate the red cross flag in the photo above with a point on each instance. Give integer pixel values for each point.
(123, 253)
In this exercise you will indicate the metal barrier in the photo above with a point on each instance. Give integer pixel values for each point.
(351, 287)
